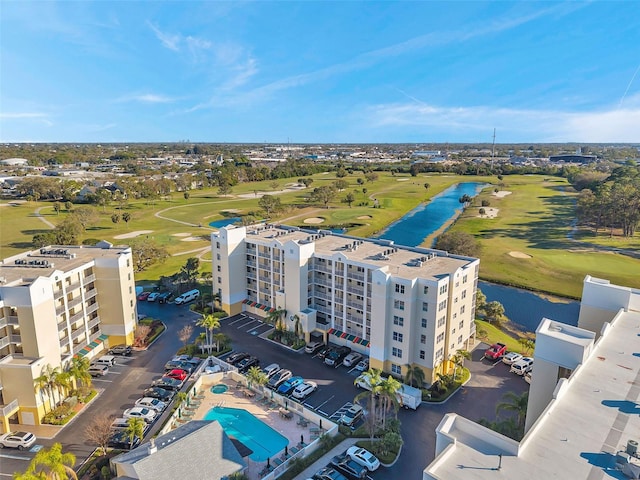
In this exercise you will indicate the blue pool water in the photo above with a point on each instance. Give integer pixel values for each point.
(253, 433)
(220, 388)
(224, 222)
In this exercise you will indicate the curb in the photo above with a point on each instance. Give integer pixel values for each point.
(264, 336)
(144, 349)
(388, 465)
(70, 422)
(450, 396)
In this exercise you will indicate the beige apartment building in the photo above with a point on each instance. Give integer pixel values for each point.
(397, 305)
(57, 302)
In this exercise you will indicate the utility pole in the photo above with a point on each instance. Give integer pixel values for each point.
(493, 148)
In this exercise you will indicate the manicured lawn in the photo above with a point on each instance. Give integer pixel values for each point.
(497, 335)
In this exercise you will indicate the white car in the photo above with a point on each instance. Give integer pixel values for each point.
(147, 414)
(304, 390)
(363, 457)
(153, 297)
(19, 440)
(527, 377)
(352, 359)
(363, 365)
(152, 403)
(522, 366)
(511, 358)
(271, 370)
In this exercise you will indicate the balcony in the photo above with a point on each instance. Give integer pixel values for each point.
(90, 293)
(74, 303)
(76, 317)
(264, 278)
(92, 308)
(356, 276)
(78, 332)
(89, 279)
(9, 409)
(251, 263)
(264, 265)
(93, 322)
(4, 341)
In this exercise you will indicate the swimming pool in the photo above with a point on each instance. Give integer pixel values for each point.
(255, 434)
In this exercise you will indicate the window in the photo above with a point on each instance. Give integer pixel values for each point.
(399, 304)
(397, 369)
(442, 321)
(424, 323)
(217, 244)
(219, 280)
(440, 352)
(461, 325)
(462, 308)
(397, 336)
(217, 256)
(129, 276)
(460, 339)
(425, 290)
(423, 339)
(455, 315)
(399, 288)
(463, 295)
(131, 302)
(453, 346)
(455, 300)
(422, 355)
(440, 338)
(218, 267)
(443, 289)
(398, 320)
(425, 307)
(130, 289)
(396, 352)
(464, 279)
(442, 305)
(128, 262)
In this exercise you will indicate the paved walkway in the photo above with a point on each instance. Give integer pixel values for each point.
(41, 217)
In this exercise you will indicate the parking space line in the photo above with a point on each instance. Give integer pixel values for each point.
(101, 380)
(238, 320)
(14, 457)
(245, 324)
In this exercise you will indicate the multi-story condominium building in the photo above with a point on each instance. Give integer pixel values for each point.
(582, 419)
(398, 305)
(57, 302)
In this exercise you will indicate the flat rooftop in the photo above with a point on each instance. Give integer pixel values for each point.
(577, 436)
(397, 260)
(26, 267)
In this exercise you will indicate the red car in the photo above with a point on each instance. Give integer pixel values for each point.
(143, 296)
(496, 351)
(178, 374)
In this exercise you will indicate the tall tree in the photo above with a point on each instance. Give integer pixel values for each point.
(458, 243)
(135, 428)
(184, 334)
(146, 253)
(324, 195)
(350, 198)
(458, 360)
(414, 375)
(512, 402)
(270, 204)
(255, 376)
(373, 377)
(388, 392)
(53, 464)
(99, 431)
(210, 323)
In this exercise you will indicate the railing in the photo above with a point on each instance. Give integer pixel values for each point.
(89, 279)
(93, 322)
(92, 308)
(3, 322)
(13, 320)
(356, 291)
(77, 332)
(76, 301)
(4, 341)
(73, 286)
(355, 303)
(264, 278)
(356, 276)
(62, 325)
(9, 408)
(15, 338)
(90, 293)
(264, 266)
(76, 317)
(251, 263)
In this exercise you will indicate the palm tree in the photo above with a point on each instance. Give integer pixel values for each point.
(373, 377)
(40, 383)
(64, 383)
(48, 381)
(458, 360)
(220, 340)
(255, 375)
(388, 391)
(135, 428)
(54, 465)
(276, 316)
(414, 375)
(515, 403)
(297, 326)
(79, 369)
(210, 323)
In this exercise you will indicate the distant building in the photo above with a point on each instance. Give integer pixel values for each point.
(573, 158)
(583, 416)
(56, 303)
(15, 162)
(198, 449)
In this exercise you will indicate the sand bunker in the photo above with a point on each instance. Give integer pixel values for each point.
(231, 210)
(133, 234)
(501, 193)
(403, 179)
(191, 239)
(314, 220)
(180, 234)
(489, 212)
(519, 255)
(365, 217)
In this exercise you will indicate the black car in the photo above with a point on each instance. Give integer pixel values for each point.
(328, 473)
(336, 356)
(324, 351)
(164, 297)
(120, 350)
(236, 357)
(174, 364)
(246, 363)
(168, 383)
(160, 393)
(352, 469)
(121, 441)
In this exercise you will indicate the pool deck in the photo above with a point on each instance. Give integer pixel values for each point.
(235, 397)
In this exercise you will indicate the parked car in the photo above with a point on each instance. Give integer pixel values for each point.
(522, 366)
(324, 351)
(160, 393)
(120, 424)
(120, 440)
(108, 360)
(527, 376)
(152, 403)
(143, 296)
(195, 361)
(336, 357)
(495, 351)
(304, 390)
(212, 369)
(364, 457)
(124, 350)
(180, 365)
(279, 378)
(147, 414)
(19, 440)
(511, 358)
(286, 387)
(313, 346)
(153, 296)
(351, 416)
(187, 297)
(343, 463)
(236, 357)
(246, 363)
(178, 374)
(351, 359)
(165, 297)
(271, 370)
(328, 473)
(363, 365)
(167, 383)
(98, 370)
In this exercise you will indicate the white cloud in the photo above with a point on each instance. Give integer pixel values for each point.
(513, 125)
(146, 98)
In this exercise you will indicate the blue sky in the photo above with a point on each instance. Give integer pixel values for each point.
(344, 72)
